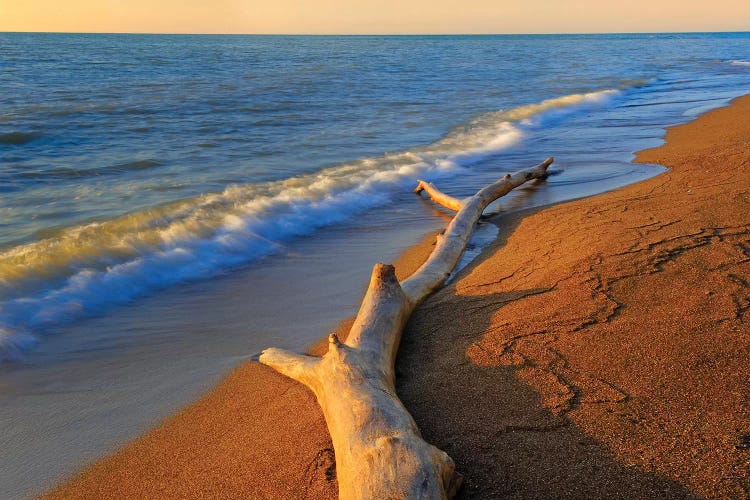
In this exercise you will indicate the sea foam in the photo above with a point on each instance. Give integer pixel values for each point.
(84, 270)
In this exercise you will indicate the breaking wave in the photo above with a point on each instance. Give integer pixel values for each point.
(86, 269)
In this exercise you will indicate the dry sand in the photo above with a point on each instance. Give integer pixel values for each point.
(600, 349)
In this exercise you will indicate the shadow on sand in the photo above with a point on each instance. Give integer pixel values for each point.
(504, 441)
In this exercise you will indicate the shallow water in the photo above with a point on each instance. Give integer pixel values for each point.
(173, 204)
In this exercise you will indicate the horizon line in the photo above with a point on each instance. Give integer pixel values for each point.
(374, 33)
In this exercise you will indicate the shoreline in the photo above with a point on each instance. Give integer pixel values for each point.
(535, 412)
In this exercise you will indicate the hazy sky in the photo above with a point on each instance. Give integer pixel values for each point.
(374, 16)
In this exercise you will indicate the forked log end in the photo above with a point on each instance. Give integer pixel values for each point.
(299, 367)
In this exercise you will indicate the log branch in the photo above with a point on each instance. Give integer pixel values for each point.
(299, 367)
(438, 196)
(379, 450)
(451, 246)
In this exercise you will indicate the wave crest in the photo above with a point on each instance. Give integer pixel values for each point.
(85, 269)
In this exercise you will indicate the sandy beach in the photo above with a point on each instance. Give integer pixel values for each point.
(598, 349)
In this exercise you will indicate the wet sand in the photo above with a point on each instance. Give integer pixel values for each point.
(599, 349)
(257, 434)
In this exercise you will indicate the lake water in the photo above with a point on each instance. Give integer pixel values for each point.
(170, 205)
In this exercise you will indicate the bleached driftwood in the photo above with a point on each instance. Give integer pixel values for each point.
(380, 453)
(438, 196)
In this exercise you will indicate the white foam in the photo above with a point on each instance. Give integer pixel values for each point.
(87, 269)
(737, 62)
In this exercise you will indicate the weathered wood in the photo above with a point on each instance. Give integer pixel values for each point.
(379, 450)
(438, 196)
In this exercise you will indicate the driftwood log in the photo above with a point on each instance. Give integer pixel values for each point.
(380, 453)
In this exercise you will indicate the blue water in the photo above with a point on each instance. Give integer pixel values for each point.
(143, 177)
(131, 163)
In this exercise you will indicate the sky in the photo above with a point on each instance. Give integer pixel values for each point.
(374, 16)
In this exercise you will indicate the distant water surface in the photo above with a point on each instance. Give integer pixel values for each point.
(169, 205)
